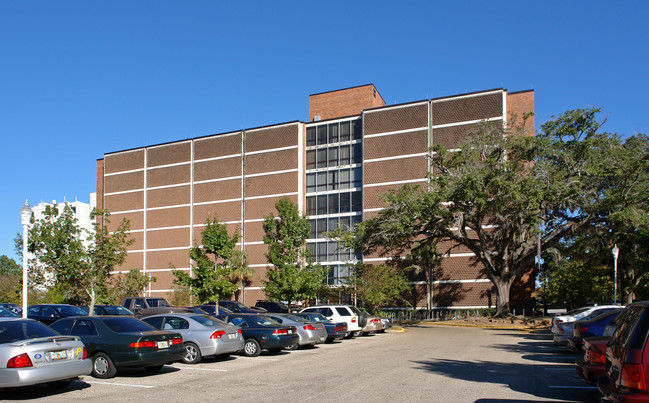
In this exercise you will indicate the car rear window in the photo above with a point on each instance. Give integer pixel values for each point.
(208, 320)
(343, 311)
(127, 325)
(116, 310)
(11, 331)
(69, 310)
(631, 332)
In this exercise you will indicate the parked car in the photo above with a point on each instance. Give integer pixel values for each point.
(203, 335)
(146, 306)
(261, 333)
(12, 307)
(273, 306)
(238, 307)
(590, 364)
(6, 313)
(562, 326)
(50, 313)
(627, 359)
(373, 324)
(341, 313)
(335, 330)
(213, 309)
(32, 353)
(311, 333)
(591, 327)
(387, 323)
(108, 310)
(122, 341)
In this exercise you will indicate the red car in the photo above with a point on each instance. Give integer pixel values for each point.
(627, 358)
(590, 365)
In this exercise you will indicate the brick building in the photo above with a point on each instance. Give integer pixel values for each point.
(335, 167)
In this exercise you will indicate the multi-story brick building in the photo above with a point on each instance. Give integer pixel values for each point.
(335, 167)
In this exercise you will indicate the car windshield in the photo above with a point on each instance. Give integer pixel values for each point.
(116, 310)
(600, 312)
(5, 313)
(157, 302)
(296, 318)
(239, 305)
(316, 317)
(69, 310)
(263, 320)
(576, 311)
(16, 330)
(208, 320)
(211, 309)
(127, 325)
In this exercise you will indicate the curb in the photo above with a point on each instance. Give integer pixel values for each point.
(495, 327)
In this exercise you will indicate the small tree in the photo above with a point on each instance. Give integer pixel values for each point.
(378, 285)
(130, 284)
(292, 276)
(241, 272)
(210, 275)
(80, 269)
(10, 280)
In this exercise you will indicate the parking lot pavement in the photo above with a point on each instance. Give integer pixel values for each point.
(429, 363)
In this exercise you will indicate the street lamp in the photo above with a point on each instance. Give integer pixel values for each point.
(616, 252)
(25, 216)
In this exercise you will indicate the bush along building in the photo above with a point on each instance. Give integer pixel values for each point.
(334, 167)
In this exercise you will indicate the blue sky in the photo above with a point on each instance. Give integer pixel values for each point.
(82, 78)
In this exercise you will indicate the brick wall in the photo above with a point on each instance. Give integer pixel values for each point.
(345, 102)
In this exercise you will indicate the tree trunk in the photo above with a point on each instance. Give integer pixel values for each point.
(502, 297)
(91, 307)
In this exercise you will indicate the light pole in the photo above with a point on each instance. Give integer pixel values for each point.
(25, 216)
(616, 252)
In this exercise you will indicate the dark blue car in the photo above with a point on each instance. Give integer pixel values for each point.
(261, 332)
(591, 327)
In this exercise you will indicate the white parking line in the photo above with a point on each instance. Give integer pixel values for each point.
(257, 358)
(119, 384)
(204, 369)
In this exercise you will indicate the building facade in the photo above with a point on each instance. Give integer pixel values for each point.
(334, 167)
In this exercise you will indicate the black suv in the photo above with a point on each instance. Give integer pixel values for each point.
(238, 307)
(272, 306)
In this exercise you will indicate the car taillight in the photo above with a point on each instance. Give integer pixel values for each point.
(353, 319)
(308, 326)
(280, 331)
(218, 334)
(19, 361)
(595, 357)
(632, 376)
(374, 320)
(140, 344)
(85, 353)
(176, 340)
(239, 331)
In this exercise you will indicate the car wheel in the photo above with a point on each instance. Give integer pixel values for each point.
(193, 354)
(251, 348)
(292, 347)
(154, 368)
(274, 350)
(62, 384)
(102, 366)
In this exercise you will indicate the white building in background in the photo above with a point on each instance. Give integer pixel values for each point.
(81, 210)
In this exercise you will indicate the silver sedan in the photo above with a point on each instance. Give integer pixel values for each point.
(203, 335)
(311, 333)
(32, 353)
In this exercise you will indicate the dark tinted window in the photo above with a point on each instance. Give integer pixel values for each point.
(84, 327)
(11, 331)
(69, 310)
(127, 325)
(310, 136)
(343, 312)
(62, 326)
(155, 322)
(631, 332)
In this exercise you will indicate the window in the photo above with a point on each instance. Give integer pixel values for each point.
(345, 181)
(333, 156)
(332, 247)
(310, 183)
(357, 201)
(322, 181)
(333, 204)
(332, 180)
(84, 327)
(312, 223)
(358, 177)
(344, 155)
(343, 311)
(357, 150)
(310, 137)
(332, 224)
(357, 130)
(311, 205)
(321, 161)
(333, 133)
(311, 249)
(344, 222)
(322, 252)
(345, 202)
(310, 159)
(321, 227)
(345, 131)
(322, 205)
(322, 134)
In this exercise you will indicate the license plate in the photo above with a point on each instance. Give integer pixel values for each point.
(58, 355)
(232, 336)
(163, 344)
(290, 332)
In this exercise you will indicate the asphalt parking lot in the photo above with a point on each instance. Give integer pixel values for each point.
(423, 363)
